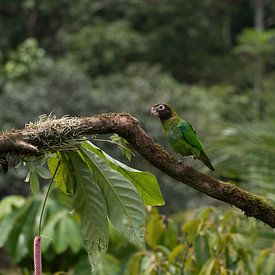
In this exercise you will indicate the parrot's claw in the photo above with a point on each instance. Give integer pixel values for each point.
(181, 160)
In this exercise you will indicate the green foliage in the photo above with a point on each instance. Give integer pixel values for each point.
(34, 183)
(47, 89)
(62, 232)
(24, 61)
(125, 208)
(8, 204)
(107, 47)
(123, 146)
(87, 57)
(145, 183)
(207, 242)
(253, 160)
(61, 235)
(256, 43)
(20, 237)
(101, 188)
(36, 169)
(64, 177)
(89, 202)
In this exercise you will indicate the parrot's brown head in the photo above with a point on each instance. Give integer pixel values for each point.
(163, 111)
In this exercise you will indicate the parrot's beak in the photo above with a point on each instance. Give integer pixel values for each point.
(154, 112)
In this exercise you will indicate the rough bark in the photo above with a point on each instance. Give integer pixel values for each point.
(49, 134)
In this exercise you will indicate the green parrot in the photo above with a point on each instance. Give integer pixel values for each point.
(181, 134)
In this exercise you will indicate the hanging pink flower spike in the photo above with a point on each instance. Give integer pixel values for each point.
(37, 256)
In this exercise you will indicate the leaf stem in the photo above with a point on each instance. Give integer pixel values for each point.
(45, 199)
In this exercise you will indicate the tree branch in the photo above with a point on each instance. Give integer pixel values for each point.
(49, 134)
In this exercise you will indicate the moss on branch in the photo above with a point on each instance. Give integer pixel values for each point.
(50, 134)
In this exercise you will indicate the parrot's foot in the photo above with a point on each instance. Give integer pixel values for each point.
(181, 160)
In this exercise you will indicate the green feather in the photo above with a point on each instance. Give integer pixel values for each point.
(184, 140)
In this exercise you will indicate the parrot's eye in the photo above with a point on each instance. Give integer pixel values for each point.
(161, 107)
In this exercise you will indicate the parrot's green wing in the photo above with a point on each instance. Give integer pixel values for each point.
(189, 135)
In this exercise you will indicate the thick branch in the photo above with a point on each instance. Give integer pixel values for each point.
(51, 133)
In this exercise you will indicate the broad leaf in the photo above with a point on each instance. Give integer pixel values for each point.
(90, 204)
(148, 264)
(170, 236)
(123, 146)
(34, 183)
(270, 265)
(202, 250)
(61, 232)
(8, 204)
(43, 172)
(63, 177)
(67, 235)
(49, 230)
(9, 207)
(108, 264)
(155, 229)
(21, 237)
(6, 226)
(208, 267)
(175, 252)
(125, 208)
(191, 229)
(133, 265)
(261, 260)
(145, 182)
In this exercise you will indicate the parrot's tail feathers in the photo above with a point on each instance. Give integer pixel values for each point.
(210, 166)
(207, 162)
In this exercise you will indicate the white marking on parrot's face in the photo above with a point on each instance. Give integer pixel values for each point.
(162, 111)
(161, 107)
(154, 111)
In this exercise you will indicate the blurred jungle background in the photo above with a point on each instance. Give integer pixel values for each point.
(212, 60)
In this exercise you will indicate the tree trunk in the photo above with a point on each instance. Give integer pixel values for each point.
(259, 63)
(259, 14)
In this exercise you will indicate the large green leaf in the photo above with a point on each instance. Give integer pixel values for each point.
(208, 267)
(145, 182)
(155, 229)
(6, 226)
(21, 237)
(125, 208)
(133, 265)
(175, 252)
(108, 264)
(148, 264)
(170, 236)
(63, 177)
(202, 250)
(123, 146)
(48, 230)
(8, 204)
(90, 204)
(43, 172)
(34, 183)
(191, 229)
(62, 232)
(67, 235)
